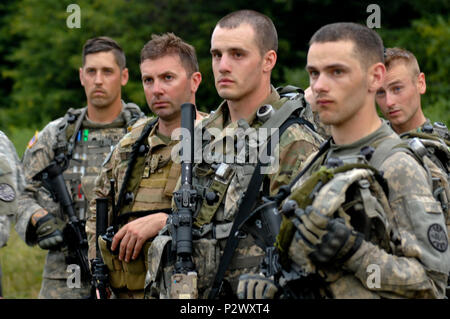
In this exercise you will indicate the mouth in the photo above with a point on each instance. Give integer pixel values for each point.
(160, 103)
(323, 101)
(225, 81)
(99, 92)
(394, 113)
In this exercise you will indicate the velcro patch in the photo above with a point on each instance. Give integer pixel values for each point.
(7, 193)
(437, 237)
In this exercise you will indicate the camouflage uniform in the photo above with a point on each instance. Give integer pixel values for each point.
(415, 267)
(212, 223)
(93, 143)
(11, 184)
(152, 184)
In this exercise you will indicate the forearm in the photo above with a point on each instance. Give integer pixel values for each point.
(403, 276)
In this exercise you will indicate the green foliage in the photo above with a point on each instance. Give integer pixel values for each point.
(22, 268)
(40, 57)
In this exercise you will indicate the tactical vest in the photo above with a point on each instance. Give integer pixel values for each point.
(148, 189)
(88, 144)
(214, 216)
(350, 188)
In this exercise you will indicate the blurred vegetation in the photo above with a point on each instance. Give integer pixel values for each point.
(40, 57)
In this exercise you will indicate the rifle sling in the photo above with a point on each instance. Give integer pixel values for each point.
(245, 208)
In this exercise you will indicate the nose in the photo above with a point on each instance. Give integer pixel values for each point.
(98, 78)
(320, 84)
(158, 88)
(390, 99)
(224, 64)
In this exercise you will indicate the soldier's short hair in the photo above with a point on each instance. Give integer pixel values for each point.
(394, 55)
(368, 48)
(104, 44)
(170, 44)
(265, 32)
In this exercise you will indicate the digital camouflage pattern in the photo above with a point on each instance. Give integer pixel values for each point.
(296, 143)
(11, 176)
(11, 185)
(419, 261)
(91, 147)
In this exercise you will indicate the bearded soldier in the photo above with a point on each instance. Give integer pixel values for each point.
(170, 77)
(244, 52)
(77, 143)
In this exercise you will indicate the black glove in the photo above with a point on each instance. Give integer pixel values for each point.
(49, 231)
(256, 287)
(330, 240)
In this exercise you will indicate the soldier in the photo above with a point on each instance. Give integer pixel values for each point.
(399, 97)
(410, 257)
(81, 139)
(244, 52)
(170, 77)
(11, 184)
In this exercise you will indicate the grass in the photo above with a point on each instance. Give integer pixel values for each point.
(22, 268)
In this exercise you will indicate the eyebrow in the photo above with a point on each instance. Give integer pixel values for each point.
(215, 50)
(330, 66)
(396, 82)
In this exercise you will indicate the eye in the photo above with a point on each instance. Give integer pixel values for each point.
(147, 81)
(168, 77)
(338, 72)
(313, 74)
(216, 55)
(380, 93)
(396, 89)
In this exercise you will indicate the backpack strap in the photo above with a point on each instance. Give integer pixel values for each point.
(244, 210)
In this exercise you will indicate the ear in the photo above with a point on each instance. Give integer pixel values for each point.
(421, 83)
(375, 76)
(80, 71)
(124, 75)
(269, 60)
(195, 80)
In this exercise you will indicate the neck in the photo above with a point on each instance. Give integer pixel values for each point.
(105, 114)
(247, 106)
(363, 123)
(416, 121)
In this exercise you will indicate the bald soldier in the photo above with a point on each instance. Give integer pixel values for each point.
(77, 143)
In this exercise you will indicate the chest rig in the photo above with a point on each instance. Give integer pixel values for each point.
(86, 144)
(151, 175)
(213, 177)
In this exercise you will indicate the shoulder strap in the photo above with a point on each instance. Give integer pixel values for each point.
(243, 212)
(134, 154)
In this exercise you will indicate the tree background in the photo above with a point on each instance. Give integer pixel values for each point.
(40, 56)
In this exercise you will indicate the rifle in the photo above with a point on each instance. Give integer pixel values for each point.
(184, 279)
(100, 276)
(75, 240)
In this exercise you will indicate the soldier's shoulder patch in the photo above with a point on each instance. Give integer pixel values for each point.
(33, 140)
(438, 237)
(7, 193)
